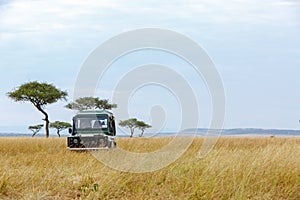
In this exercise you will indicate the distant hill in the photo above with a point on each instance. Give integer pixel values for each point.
(244, 131)
(189, 132)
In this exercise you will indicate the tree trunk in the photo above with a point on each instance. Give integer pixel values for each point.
(142, 133)
(131, 132)
(46, 120)
(58, 133)
(34, 134)
(47, 125)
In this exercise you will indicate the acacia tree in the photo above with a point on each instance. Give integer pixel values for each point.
(85, 103)
(104, 104)
(129, 123)
(142, 126)
(35, 129)
(60, 126)
(40, 95)
(132, 124)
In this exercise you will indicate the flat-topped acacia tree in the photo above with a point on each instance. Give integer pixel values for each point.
(142, 126)
(133, 123)
(129, 123)
(40, 95)
(60, 126)
(86, 103)
(35, 129)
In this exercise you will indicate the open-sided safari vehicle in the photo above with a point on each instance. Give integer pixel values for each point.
(92, 130)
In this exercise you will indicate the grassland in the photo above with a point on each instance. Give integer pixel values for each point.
(237, 168)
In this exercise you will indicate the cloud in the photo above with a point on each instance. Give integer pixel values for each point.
(287, 3)
(59, 34)
(240, 11)
(49, 16)
(66, 16)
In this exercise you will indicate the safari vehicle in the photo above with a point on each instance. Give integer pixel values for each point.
(92, 130)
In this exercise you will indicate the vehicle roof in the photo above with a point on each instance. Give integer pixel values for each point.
(94, 112)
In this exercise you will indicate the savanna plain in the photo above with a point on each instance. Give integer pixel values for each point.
(236, 168)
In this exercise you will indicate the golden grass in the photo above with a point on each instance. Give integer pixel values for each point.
(237, 168)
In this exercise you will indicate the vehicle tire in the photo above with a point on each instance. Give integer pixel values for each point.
(108, 144)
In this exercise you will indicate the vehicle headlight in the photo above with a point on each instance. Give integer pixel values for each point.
(75, 141)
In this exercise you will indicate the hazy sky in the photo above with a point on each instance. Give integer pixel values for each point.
(254, 44)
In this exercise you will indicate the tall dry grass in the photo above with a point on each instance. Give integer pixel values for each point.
(237, 168)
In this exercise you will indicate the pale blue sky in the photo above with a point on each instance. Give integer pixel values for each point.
(254, 44)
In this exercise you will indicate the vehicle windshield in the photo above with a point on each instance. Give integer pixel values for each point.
(91, 123)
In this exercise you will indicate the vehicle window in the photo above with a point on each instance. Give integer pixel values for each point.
(99, 123)
(91, 123)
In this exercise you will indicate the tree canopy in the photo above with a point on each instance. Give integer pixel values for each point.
(86, 103)
(129, 123)
(35, 129)
(59, 126)
(142, 126)
(40, 95)
(132, 124)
